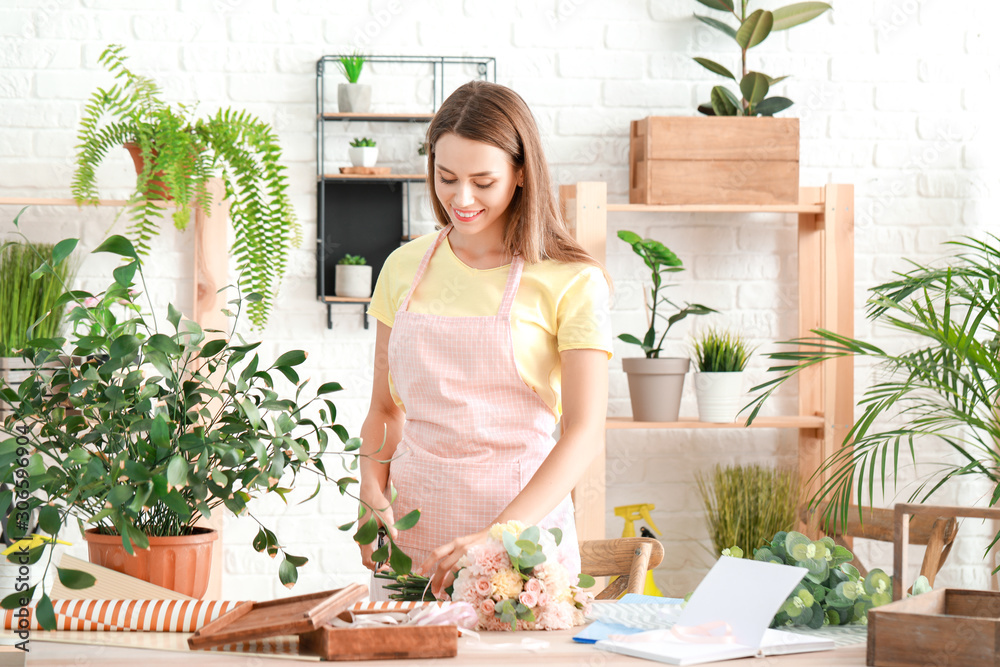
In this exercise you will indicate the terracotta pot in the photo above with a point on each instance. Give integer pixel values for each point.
(181, 563)
(157, 188)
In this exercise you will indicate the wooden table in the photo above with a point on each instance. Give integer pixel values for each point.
(136, 648)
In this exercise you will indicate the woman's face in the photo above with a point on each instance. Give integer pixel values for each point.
(474, 183)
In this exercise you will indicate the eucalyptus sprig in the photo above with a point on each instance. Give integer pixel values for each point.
(750, 31)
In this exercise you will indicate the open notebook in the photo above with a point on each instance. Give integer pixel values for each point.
(726, 618)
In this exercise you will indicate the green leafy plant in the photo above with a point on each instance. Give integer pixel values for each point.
(362, 142)
(718, 351)
(159, 429)
(943, 387)
(747, 504)
(27, 295)
(751, 31)
(422, 148)
(350, 66)
(179, 154)
(352, 260)
(660, 261)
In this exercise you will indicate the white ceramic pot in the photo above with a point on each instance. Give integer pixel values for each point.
(655, 387)
(719, 396)
(363, 156)
(354, 97)
(353, 281)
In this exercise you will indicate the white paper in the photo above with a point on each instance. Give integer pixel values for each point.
(744, 593)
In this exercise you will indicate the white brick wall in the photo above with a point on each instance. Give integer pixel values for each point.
(893, 97)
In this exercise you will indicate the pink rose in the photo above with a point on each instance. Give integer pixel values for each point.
(544, 599)
(533, 585)
(488, 607)
(528, 599)
(483, 587)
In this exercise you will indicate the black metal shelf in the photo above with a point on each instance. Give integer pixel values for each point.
(364, 214)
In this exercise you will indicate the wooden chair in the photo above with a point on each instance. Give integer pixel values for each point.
(628, 557)
(936, 532)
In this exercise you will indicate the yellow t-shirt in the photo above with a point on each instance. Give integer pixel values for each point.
(559, 306)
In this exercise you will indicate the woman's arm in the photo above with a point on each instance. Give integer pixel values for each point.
(585, 408)
(384, 422)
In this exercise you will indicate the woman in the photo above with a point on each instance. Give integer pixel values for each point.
(487, 331)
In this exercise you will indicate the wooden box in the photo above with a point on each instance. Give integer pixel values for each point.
(944, 627)
(714, 160)
(308, 617)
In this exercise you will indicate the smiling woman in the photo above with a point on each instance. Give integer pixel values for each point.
(489, 331)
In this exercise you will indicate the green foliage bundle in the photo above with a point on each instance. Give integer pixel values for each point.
(180, 153)
(362, 142)
(28, 295)
(943, 388)
(352, 260)
(833, 592)
(156, 430)
(660, 261)
(746, 504)
(350, 66)
(718, 351)
(751, 31)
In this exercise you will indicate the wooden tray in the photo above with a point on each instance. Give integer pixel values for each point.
(943, 627)
(288, 616)
(380, 643)
(368, 171)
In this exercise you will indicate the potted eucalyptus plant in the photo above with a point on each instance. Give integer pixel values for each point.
(353, 97)
(721, 357)
(176, 153)
(656, 383)
(941, 386)
(165, 424)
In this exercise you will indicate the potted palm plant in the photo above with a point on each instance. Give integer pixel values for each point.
(944, 387)
(656, 383)
(353, 97)
(721, 356)
(753, 159)
(176, 153)
(164, 426)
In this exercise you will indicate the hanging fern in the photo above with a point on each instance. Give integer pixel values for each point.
(180, 153)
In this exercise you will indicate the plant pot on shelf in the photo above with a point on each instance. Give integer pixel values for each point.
(181, 563)
(714, 160)
(718, 396)
(157, 188)
(655, 387)
(353, 281)
(354, 97)
(363, 156)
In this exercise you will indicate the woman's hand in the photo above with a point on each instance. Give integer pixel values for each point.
(373, 498)
(441, 564)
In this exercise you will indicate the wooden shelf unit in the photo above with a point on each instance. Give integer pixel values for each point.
(825, 233)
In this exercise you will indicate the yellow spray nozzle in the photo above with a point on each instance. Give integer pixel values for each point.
(632, 513)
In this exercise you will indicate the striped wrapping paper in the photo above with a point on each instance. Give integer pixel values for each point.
(156, 615)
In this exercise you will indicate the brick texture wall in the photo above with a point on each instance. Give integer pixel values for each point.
(893, 96)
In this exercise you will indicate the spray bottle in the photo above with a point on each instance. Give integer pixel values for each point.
(631, 514)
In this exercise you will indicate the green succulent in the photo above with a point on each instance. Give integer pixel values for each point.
(362, 142)
(751, 31)
(352, 260)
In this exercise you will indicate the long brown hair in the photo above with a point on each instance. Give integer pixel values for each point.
(496, 115)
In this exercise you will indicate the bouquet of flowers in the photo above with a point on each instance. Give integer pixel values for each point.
(515, 579)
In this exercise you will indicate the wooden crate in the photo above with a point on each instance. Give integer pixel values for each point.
(380, 643)
(714, 160)
(944, 627)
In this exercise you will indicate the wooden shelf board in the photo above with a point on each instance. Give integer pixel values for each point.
(344, 299)
(717, 208)
(375, 177)
(376, 117)
(792, 421)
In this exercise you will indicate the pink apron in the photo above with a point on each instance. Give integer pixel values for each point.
(474, 433)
